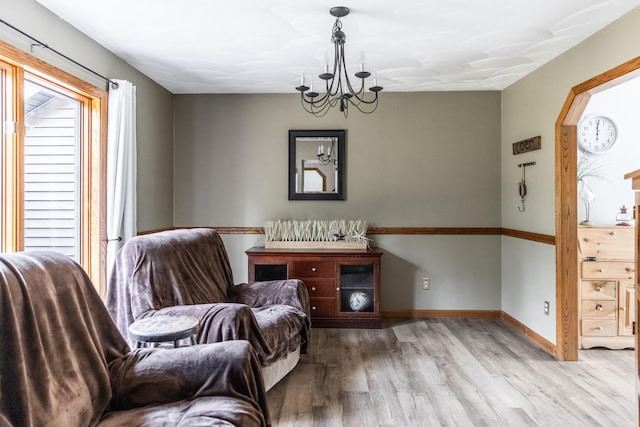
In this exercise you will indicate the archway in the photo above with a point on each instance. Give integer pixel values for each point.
(566, 206)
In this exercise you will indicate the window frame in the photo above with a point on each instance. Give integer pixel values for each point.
(93, 157)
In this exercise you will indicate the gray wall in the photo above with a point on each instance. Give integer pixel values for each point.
(154, 103)
(421, 160)
(531, 107)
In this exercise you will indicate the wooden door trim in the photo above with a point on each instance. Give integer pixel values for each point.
(566, 206)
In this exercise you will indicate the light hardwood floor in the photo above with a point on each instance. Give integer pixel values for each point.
(450, 372)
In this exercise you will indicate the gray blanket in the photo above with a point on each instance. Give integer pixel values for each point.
(64, 363)
(188, 272)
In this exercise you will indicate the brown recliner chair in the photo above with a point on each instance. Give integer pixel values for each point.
(64, 362)
(187, 272)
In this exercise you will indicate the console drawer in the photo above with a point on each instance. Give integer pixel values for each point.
(322, 307)
(305, 269)
(320, 287)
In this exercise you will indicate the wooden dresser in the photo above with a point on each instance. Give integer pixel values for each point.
(607, 294)
(635, 184)
(344, 286)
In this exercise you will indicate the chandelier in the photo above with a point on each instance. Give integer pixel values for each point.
(327, 157)
(338, 88)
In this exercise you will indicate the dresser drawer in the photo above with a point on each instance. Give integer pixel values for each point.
(322, 307)
(599, 327)
(599, 290)
(606, 242)
(321, 287)
(305, 269)
(608, 270)
(603, 309)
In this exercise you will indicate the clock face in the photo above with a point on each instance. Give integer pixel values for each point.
(596, 134)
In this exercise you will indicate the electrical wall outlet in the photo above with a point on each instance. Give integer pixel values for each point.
(426, 283)
(546, 307)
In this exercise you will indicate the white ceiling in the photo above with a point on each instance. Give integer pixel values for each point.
(258, 46)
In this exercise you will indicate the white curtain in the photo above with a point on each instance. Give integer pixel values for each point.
(121, 168)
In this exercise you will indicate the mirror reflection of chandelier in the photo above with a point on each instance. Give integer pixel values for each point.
(339, 90)
(328, 156)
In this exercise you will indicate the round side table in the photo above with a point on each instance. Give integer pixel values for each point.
(162, 328)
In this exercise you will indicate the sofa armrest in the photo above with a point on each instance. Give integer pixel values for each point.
(291, 292)
(157, 376)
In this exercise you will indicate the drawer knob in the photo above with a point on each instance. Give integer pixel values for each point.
(313, 269)
(314, 308)
(599, 288)
(313, 288)
(338, 289)
(601, 270)
(627, 269)
(599, 328)
(599, 307)
(622, 309)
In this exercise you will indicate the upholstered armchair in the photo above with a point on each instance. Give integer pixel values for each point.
(64, 362)
(187, 272)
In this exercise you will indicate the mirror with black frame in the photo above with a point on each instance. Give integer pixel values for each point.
(316, 164)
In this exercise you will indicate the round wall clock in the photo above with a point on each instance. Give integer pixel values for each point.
(596, 134)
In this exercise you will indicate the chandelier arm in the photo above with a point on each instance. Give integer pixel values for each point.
(304, 104)
(315, 100)
(336, 71)
(359, 93)
(375, 107)
(318, 109)
(322, 111)
(363, 100)
(317, 113)
(349, 86)
(327, 87)
(311, 106)
(373, 102)
(319, 102)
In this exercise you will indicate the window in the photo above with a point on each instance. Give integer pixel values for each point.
(52, 162)
(51, 169)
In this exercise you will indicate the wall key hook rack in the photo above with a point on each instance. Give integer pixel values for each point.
(522, 185)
